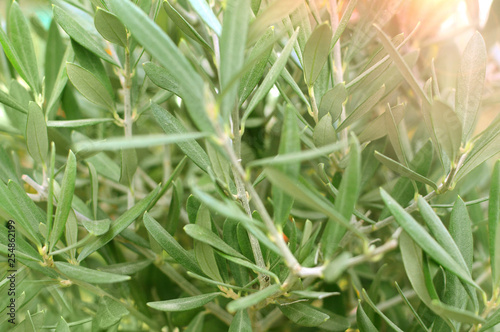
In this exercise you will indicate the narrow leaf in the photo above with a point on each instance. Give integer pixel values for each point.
(241, 322)
(332, 102)
(253, 299)
(204, 235)
(316, 52)
(89, 275)
(493, 224)
(447, 127)
(89, 86)
(37, 139)
(303, 314)
(185, 303)
(202, 8)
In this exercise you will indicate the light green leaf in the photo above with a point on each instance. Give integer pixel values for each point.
(289, 143)
(447, 127)
(24, 250)
(76, 123)
(246, 263)
(275, 12)
(313, 294)
(377, 129)
(259, 56)
(7, 100)
(109, 312)
(127, 268)
(252, 299)
(20, 35)
(425, 241)
(119, 225)
(205, 255)
(493, 224)
(470, 82)
(37, 139)
(403, 170)
(54, 54)
(345, 200)
(332, 102)
(170, 245)
(303, 314)
(97, 227)
(89, 86)
(271, 77)
(128, 166)
(232, 51)
(241, 322)
(184, 25)
(61, 80)
(324, 133)
(62, 326)
(84, 34)
(365, 297)
(163, 49)
(492, 321)
(456, 314)
(316, 52)
(185, 303)
(367, 105)
(89, 275)
(13, 57)
(110, 27)
(202, 8)
(162, 78)
(137, 142)
(64, 201)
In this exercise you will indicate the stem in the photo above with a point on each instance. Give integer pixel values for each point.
(314, 105)
(128, 119)
(242, 196)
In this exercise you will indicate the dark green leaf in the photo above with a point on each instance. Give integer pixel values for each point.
(363, 321)
(365, 297)
(37, 139)
(470, 82)
(241, 322)
(109, 312)
(185, 303)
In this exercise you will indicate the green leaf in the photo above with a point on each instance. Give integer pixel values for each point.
(415, 314)
(119, 225)
(344, 21)
(259, 56)
(232, 51)
(307, 196)
(313, 294)
(62, 326)
(275, 12)
(492, 321)
(163, 49)
(202, 8)
(84, 34)
(171, 125)
(90, 86)
(425, 241)
(367, 105)
(205, 255)
(20, 35)
(37, 139)
(345, 200)
(24, 250)
(170, 245)
(493, 222)
(316, 52)
(136, 142)
(485, 148)
(289, 143)
(184, 25)
(89, 275)
(54, 54)
(271, 77)
(76, 123)
(162, 78)
(206, 236)
(303, 314)
(456, 314)
(252, 299)
(14, 58)
(246, 263)
(61, 79)
(109, 312)
(365, 297)
(64, 200)
(447, 127)
(128, 166)
(324, 133)
(403, 170)
(197, 324)
(377, 128)
(127, 268)
(332, 102)
(7, 100)
(110, 27)
(470, 82)
(241, 322)
(97, 227)
(363, 321)
(185, 303)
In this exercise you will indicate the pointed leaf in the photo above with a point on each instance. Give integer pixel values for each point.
(470, 82)
(89, 275)
(110, 27)
(37, 139)
(367, 105)
(332, 102)
(363, 321)
(64, 200)
(316, 52)
(252, 299)
(97, 227)
(206, 236)
(324, 133)
(447, 127)
(202, 8)
(241, 322)
(303, 314)
(89, 86)
(185, 303)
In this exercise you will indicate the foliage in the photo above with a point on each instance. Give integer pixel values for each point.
(249, 165)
